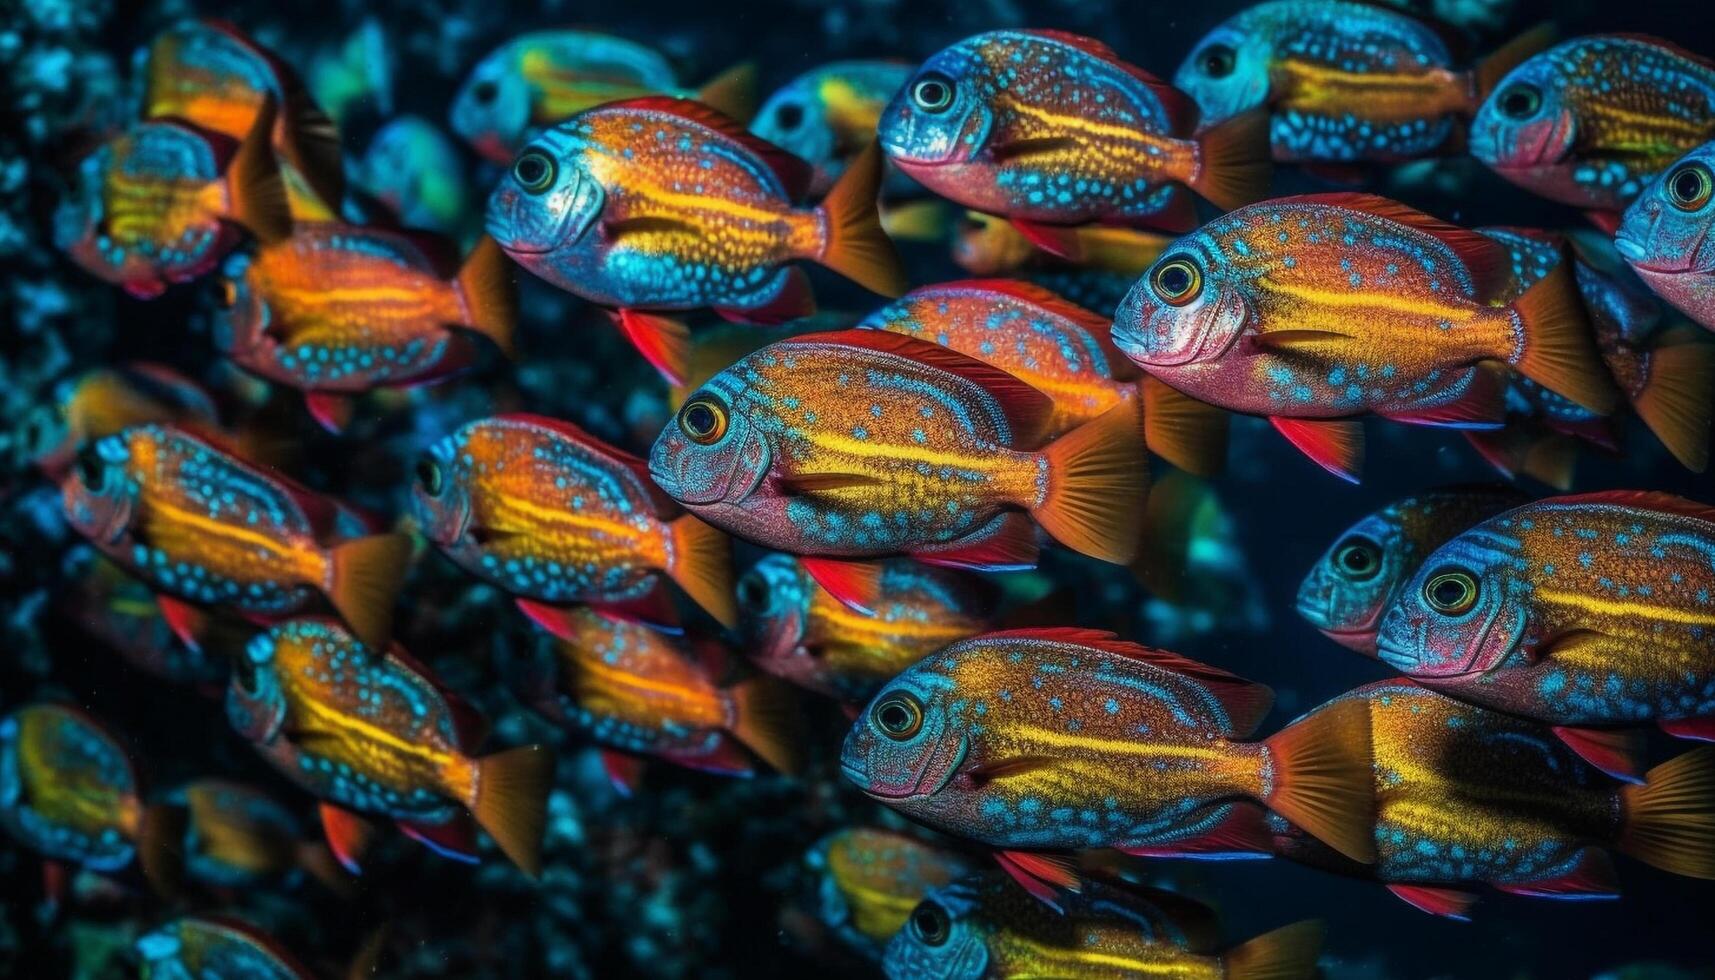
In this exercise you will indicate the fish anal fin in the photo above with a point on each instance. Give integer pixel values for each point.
(855, 583)
(1619, 752)
(1336, 445)
(1591, 877)
(455, 839)
(1449, 903)
(1006, 544)
(348, 835)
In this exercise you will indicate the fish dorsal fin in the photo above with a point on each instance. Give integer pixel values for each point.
(1489, 262)
(636, 467)
(1667, 503)
(1663, 43)
(1025, 408)
(1048, 301)
(1246, 702)
(1180, 108)
(794, 174)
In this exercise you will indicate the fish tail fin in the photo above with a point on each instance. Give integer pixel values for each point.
(702, 565)
(1234, 162)
(1678, 397)
(1669, 820)
(1190, 434)
(1559, 348)
(485, 285)
(768, 722)
(1287, 953)
(732, 92)
(1508, 56)
(856, 246)
(255, 191)
(161, 847)
(1098, 475)
(365, 579)
(511, 801)
(1323, 778)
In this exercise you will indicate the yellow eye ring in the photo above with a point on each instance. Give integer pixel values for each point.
(933, 93)
(1178, 281)
(534, 171)
(899, 716)
(1690, 186)
(1452, 593)
(703, 420)
(1359, 559)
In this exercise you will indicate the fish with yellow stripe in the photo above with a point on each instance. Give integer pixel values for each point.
(336, 310)
(989, 245)
(210, 946)
(1051, 129)
(862, 444)
(1595, 610)
(797, 630)
(827, 115)
(541, 78)
(1063, 351)
(869, 880)
(1313, 310)
(638, 692)
(103, 401)
(202, 526)
(238, 836)
(1065, 739)
(377, 734)
(660, 204)
(557, 517)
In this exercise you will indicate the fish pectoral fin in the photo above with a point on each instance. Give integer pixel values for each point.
(1619, 752)
(1043, 876)
(484, 535)
(1017, 766)
(1298, 337)
(348, 835)
(801, 483)
(616, 231)
(1035, 146)
(1576, 644)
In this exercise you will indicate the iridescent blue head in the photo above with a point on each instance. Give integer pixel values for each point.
(905, 745)
(99, 496)
(547, 200)
(715, 452)
(1228, 71)
(1353, 584)
(492, 108)
(945, 936)
(1463, 613)
(440, 496)
(255, 701)
(774, 605)
(1665, 233)
(941, 115)
(1528, 122)
(1189, 307)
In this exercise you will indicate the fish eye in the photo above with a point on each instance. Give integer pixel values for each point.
(91, 471)
(245, 673)
(429, 477)
(534, 171)
(1219, 60)
(933, 93)
(899, 716)
(753, 594)
(484, 91)
(1178, 281)
(1521, 101)
(1452, 592)
(931, 924)
(1358, 559)
(703, 420)
(787, 115)
(1690, 187)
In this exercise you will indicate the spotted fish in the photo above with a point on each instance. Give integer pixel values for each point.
(240, 837)
(103, 401)
(199, 946)
(869, 880)
(1665, 235)
(827, 115)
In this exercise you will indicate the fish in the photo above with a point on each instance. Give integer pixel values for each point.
(240, 837)
(995, 124)
(203, 527)
(1343, 82)
(211, 74)
(800, 632)
(208, 946)
(70, 792)
(107, 603)
(378, 734)
(861, 444)
(1355, 582)
(164, 201)
(640, 692)
(985, 926)
(827, 115)
(414, 171)
(104, 400)
(1593, 610)
(869, 880)
(1063, 739)
(1592, 120)
(556, 517)
(541, 78)
(1664, 235)
(355, 73)
(987, 245)
(1063, 351)
(664, 204)
(337, 310)
(1313, 310)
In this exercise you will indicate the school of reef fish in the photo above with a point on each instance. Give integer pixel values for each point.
(596, 532)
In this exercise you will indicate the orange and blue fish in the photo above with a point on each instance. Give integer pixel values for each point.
(378, 734)
(336, 310)
(1588, 611)
(1665, 235)
(122, 612)
(542, 78)
(103, 401)
(827, 115)
(864, 444)
(1591, 121)
(210, 946)
(639, 692)
(869, 880)
(1051, 129)
(237, 836)
(799, 631)
(1313, 310)
(202, 526)
(557, 517)
(659, 204)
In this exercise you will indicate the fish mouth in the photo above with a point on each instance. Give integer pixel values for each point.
(1360, 640)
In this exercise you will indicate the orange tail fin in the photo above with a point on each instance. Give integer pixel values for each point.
(365, 579)
(1559, 350)
(1679, 396)
(161, 847)
(1324, 778)
(768, 722)
(1669, 820)
(1287, 953)
(857, 247)
(1098, 475)
(256, 196)
(485, 285)
(512, 802)
(702, 565)
(1234, 161)
(732, 92)
(1190, 434)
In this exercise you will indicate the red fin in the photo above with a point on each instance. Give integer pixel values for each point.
(1246, 702)
(454, 839)
(1048, 301)
(1489, 263)
(1024, 407)
(794, 173)
(796, 300)
(555, 620)
(1694, 729)
(624, 771)
(1592, 877)
(1667, 503)
(1098, 481)
(1336, 445)
(654, 609)
(348, 835)
(185, 620)
(1007, 544)
(727, 759)
(855, 583)
(1058, 240)
(1180, 108)
(663, 341)
(1607, 221)
(856, 246)
(1243, 832)
(1618, 752)
(1482, 406)
(1040, 875)
(1450, 903)
(332, 411)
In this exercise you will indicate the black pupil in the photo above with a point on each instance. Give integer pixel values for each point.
(929, 925)
(700, 419)
(246, 671)
(752, 593)
(485, 91)
(429, 475)
(1357, 558)
(89, 470)
(1519, 102)
(895, 717)
(932, 93)
(1175, 279)
(531, 169)
(1218, 62)
(788, 116)
(1450, 592)
(1688, 185)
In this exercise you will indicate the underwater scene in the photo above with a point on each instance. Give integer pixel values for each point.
(854, 488)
